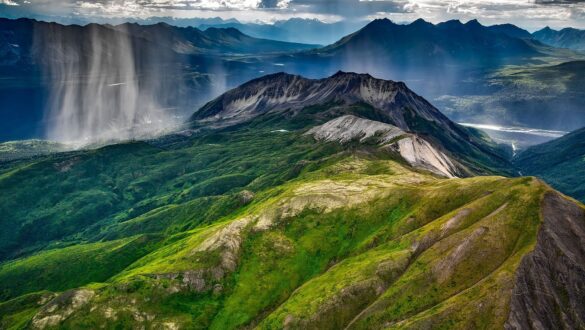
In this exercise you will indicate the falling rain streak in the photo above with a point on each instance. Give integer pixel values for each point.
(96, 91)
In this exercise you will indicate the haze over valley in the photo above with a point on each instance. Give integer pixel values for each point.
(474, 73)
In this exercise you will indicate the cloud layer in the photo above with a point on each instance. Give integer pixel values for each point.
(531, 14)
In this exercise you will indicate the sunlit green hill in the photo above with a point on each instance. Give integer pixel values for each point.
(313, 216)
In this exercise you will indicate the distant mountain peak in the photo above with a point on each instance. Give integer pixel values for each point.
(546, 29)
(570, 38)
(453, 21)
(380, 23)
(473, 23)
(382, 20)
(421, 22)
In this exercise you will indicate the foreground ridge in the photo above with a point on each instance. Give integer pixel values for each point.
(348, 247)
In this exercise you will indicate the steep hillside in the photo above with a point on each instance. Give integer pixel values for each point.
(329, 209)
(544, 97)
(302, 99)
(566, 38)
(354, 241)
(560, 162)
(424, 44)
(20, 37)
(413, 149)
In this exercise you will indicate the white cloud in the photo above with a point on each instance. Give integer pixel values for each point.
(531, 14)
(8, 3)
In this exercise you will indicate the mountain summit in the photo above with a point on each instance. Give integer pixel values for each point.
(282, 91)
(314, 101)
(426, 44)
(566, 38)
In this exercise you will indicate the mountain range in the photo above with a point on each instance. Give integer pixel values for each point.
(566, 38)
(457, 65)
(476, 74)
(35, 55)
(409, 52)
(18, 39)
(309, 31)
(287, 202)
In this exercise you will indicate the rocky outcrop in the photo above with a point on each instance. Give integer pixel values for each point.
(61, 307)
(281, 91)
(413, 149)
(421, 154)
(347, 128)
(550, 283)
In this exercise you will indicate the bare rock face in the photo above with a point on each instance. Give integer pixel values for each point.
(245, 197)
(416, 151)
(61, 307)
(347, 128)
(550, 283)
(281, 91)
(421, 154)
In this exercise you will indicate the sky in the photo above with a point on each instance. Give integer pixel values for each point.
(529, 14)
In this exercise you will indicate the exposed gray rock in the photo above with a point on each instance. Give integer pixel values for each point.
(421, 154)
(550, 283)
(245, 197)
(416, 151)
(281, 91)
(347, 128)
(61, 307)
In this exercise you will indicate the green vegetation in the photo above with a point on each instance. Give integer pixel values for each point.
(74, 197)
(253, 226)
(560, 162)
(355, 233)
(547, 96)
(85, 263)
(28, 148)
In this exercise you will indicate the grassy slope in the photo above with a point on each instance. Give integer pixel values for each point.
(77, 197)
(548, 96)
(69, 267)
(345, 221)
(299, 270)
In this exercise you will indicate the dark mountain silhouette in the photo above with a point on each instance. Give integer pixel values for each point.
(566, 38)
